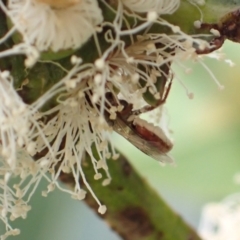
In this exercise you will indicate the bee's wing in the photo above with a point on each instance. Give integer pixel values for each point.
(123, 128)
(162, 158)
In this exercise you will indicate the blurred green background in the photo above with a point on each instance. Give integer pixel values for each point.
(206, 131)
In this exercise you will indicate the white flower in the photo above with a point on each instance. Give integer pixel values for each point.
(59, 3)
(49, 28)
(221, 221)
(67, 141)
(160, 6)
(61, 144)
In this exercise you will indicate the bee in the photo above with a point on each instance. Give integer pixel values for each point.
(151, 140)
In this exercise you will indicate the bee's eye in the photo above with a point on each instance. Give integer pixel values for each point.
(124, 103)
(111, 99)
(126, 112)
(109, 96)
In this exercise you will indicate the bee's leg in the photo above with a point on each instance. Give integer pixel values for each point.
(127, 109)
(149, 108)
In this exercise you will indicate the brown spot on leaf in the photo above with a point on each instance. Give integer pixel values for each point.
(120, 188)
(194, 236)
(126, 167)
(136, 224)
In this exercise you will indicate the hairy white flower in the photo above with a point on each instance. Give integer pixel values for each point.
(49, 28)
(59, 3)
(220, 221)
(59, 145)
(63, 143)
(160, 6)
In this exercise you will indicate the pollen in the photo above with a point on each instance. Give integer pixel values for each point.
(99, 63)
(215, 32)
(97, 176)
(197, 24)
(102, 209)
(152, 16)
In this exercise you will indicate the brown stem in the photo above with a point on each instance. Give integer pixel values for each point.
(135, 210)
